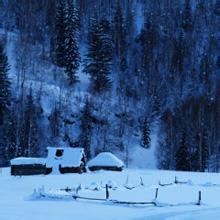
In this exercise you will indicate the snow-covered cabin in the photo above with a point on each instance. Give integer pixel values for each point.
(65, 160)
(27, 166)
(105, 161)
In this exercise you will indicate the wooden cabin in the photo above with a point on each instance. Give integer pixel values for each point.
(27, 166)
(65, 160)
(59, 160)
(105, 161)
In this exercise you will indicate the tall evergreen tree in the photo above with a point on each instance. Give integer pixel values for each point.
(72, 56)
(178, 54)
(86, 129)
(145, 134)
(163, 153)
(187, 21)
(205, 74)
(217, 7)
(205, 150)
(60, 29)
(119, 34)
(11, 138)
(99, 56)
(182, 154)
(130, 20)
(29, 142)
(55, 122)
(194, 150)
(5, 85)
(147, 40)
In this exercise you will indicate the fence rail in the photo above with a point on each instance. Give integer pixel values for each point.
(42, 194)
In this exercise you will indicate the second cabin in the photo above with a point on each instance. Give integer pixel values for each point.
(65, 160)
(105, 161)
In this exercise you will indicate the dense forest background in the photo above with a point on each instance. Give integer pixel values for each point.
(128, 76)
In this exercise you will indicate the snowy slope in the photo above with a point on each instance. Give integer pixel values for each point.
(178, 200)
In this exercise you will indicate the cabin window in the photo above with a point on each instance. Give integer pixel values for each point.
(59, 153)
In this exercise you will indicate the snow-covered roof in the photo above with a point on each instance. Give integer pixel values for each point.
(105, 159)
(27, 161)
(71, 157)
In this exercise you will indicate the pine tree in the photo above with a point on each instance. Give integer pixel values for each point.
(205, 74)
(145, 134)
(60, 29)
(194, 150)
(55, 123)
(99, 56)
(187, 22)
(182, 154)
(163, 153)
(29, 142)
(120, 37)
(164, 148)
(155, 107)
(11, 138)
(179, 54)
(72, 56)
(205, 150)
(147, 40)
(130, 20)
(217, 7)
(5, 90)
(218, 61)
(86, 129)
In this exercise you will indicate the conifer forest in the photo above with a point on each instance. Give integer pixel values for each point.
(138, 78)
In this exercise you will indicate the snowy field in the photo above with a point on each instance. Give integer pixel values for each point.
(175, 201)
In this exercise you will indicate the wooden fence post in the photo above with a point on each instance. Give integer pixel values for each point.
(106, 192)
(200, 198)
(77, 190)
(176, 181)
(156, 194)
(141, 182)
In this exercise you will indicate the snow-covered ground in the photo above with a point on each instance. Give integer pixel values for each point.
(176, 201)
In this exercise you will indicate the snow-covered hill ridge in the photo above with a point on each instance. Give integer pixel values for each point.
(179, 199)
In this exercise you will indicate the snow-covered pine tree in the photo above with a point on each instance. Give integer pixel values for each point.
(60, 28)
(217, 120)
(145, 134)
(163, 152)
(178, 53)
(120, 41)
(217, 7)
(55, 122)
(147, 40)
(187, 21)
(205, 150)
(72, 56)
(11, 135)
(205, 74)
(182, 154)
(86, 129)
(99, 55)
(5, 85)
(29, 142)
(119, 31)
(130, 20)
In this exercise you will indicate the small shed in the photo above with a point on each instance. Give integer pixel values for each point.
(105, 161)
(27, 166)
(65, 160)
